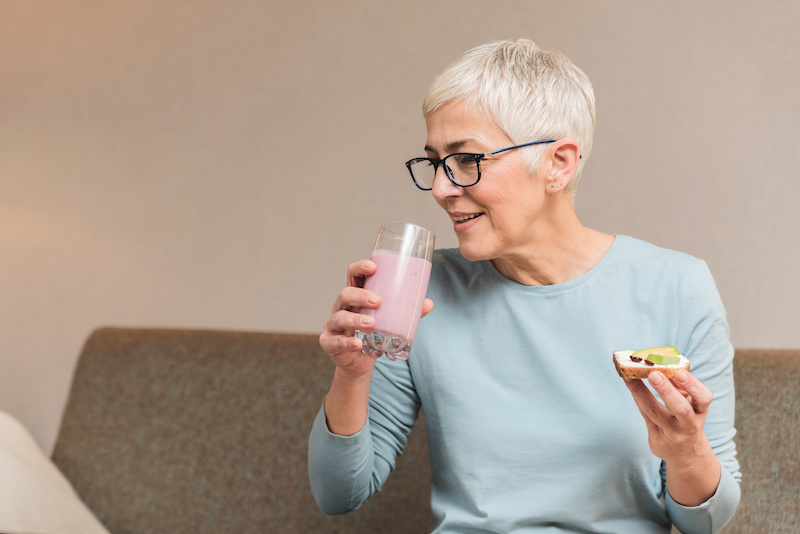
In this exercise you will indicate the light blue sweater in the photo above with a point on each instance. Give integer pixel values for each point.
(530, 428)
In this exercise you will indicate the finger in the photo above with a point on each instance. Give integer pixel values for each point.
(357, 272)
(678, 406)
(338, 333)
(644, 398)
(653, 430)
(354, 298)
(336, 343)
(697, 393)
(346, 322)
(427, 306)
(648, 405)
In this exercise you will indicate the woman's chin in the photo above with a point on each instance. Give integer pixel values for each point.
(472, 253)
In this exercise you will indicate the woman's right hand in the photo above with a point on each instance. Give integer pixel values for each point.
(338, 336)
(347, 400)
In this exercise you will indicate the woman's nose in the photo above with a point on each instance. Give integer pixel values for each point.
(443, 187)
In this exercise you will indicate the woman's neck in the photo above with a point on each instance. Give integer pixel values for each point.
(557, 253)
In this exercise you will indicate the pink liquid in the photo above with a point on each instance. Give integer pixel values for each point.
(402, 282)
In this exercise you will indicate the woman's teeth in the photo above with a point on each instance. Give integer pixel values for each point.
(466, 218)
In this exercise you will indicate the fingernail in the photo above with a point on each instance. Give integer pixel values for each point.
(373, 299)
(682, 376)
(366, 320)
(655, 378)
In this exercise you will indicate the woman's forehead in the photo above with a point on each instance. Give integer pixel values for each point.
(455, 127)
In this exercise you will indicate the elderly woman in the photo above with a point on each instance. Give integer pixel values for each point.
(530, 428)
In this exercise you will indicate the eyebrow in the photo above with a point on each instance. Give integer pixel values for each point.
(450, 147)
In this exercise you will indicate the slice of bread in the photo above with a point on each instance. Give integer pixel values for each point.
(630, 369)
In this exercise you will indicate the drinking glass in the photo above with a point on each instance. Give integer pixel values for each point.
(403, 253)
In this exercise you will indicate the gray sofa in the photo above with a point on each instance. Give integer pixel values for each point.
(194, 431)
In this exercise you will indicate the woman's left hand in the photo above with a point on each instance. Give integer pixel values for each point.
(675, 427)
(676, 434)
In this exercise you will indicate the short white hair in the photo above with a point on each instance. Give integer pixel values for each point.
(530, 93)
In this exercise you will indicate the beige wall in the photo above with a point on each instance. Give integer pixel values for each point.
(218, 164)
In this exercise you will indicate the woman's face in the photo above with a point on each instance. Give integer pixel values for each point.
(500, 216)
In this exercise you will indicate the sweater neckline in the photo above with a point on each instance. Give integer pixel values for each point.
(588, 275)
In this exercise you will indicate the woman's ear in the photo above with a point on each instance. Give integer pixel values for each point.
(565, 156)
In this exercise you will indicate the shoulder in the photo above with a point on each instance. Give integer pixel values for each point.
(636, 251)
(640, 258)
(656, 269)
(669, 271)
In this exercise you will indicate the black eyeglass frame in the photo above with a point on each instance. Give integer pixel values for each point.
(477, 157)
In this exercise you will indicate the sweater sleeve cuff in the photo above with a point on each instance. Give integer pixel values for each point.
(711, 516)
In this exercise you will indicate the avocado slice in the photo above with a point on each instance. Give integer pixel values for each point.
(659, 351)
(661, 359)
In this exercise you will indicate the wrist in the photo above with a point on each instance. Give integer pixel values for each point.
(354, 376)
(692, 457)
(347, 402)
(693, 478)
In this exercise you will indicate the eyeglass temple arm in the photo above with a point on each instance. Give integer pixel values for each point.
(524, 145)
(528, 144)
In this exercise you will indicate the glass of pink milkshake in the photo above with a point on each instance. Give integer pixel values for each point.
(403, 253)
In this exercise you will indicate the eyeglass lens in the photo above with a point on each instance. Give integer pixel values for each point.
(463, 169)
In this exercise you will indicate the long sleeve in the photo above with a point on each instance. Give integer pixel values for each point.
(345, 471)
(704, 330)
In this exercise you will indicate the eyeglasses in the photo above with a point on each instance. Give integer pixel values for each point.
(462, 168)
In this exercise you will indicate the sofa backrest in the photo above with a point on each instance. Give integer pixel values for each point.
(197, 431)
